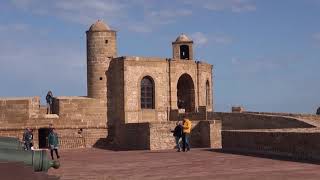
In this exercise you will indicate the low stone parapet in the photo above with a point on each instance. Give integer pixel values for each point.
(293, 143)
(158, 136)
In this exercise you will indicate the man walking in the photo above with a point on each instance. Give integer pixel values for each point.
(186, 134)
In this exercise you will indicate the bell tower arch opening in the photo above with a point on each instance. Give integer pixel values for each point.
(184, 52)
(186, 93)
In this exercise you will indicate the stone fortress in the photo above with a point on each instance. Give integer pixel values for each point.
(134, 102)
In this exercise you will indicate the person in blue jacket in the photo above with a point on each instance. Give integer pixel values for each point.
(53, 143)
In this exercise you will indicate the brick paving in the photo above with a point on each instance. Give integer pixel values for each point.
(196, 164)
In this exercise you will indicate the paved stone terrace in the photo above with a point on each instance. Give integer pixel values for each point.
(196, 164)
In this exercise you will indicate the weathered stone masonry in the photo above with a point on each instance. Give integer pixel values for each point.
(113, 102)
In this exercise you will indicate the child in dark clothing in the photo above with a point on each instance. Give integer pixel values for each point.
(177, 133)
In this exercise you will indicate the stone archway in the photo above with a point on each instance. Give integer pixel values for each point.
(185, 93)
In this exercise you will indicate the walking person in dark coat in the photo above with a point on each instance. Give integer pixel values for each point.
(177, 133)
(53, 143)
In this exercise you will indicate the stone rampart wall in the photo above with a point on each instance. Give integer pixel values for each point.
(309, 118)
(204, 134)
(72, 114)
(301, 144)
(133, 136)
(156, 136)
(68, 138)
(257, 121)
(18, 110)
(80, 111)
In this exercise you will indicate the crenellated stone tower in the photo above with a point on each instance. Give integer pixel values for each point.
(101, 48)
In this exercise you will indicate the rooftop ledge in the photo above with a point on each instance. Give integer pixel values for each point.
(143, 58)
(18, 98)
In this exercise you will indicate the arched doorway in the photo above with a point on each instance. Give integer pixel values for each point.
(185, 93)
(43, 137)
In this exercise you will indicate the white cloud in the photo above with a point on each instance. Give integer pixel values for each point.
(222, 39)
(14, 27)
(165, 16)
(22, 3)
(199, 38)
(202, 39)
(235, 61)
(140, 28)
(114, 12)
(264, 64)
(316, 36)
(78, 11)
(236, 6)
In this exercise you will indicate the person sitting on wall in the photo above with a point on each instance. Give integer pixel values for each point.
(53, 143)
(177, 133)
(186, 134)
(49, 99)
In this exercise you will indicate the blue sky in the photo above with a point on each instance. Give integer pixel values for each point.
(265, 52)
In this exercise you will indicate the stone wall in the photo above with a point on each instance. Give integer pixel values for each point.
(73, 138)
(115, 94)
(309, 118)
(68, 138)
(201, 115)
(133, 136)
(79, 111)
(205, 74)
(136, 68)
(204, 134)
(17, 110)
(296, 143)
(257, 121)
(72, 114)
(157, 136)
(165, 74)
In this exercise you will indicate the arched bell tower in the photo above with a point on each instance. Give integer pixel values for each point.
(183, 48)
(101, 48)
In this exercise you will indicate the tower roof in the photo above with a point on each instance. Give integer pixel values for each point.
(183, 38)
(99, 26)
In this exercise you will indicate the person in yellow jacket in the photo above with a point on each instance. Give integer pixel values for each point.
(186, 134)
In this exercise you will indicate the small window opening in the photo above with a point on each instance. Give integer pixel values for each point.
(106, 41)
(100, 78)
